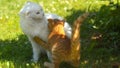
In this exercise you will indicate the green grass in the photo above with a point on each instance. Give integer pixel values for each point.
(16, 51)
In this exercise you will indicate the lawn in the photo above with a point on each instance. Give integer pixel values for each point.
(99, 33)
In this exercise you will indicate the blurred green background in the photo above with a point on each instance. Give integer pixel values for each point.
(99, 33)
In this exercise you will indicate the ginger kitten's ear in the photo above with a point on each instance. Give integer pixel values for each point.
(50, 23)
(59, 21)
(63, 22)
(50, 20)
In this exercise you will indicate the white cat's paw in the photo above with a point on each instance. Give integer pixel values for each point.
(48, 65)
(35, 61)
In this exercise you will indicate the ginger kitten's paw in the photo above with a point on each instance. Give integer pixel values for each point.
(48, 65)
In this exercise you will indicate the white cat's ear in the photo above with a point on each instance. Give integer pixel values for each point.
(28, 2)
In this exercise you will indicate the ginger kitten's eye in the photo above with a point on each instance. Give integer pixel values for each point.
(37, 12)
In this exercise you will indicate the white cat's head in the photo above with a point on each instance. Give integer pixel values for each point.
(32, 10)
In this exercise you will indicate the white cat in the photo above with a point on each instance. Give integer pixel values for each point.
(33, 22)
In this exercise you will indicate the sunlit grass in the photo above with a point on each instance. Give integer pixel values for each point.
(10, 64)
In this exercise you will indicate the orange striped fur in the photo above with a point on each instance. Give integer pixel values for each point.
(61, 47)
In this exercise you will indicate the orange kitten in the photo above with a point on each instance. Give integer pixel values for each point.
(61, 47)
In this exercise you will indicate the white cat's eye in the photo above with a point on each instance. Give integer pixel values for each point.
(37, 12)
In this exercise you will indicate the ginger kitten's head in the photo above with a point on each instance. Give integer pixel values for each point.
(32, 11)
(54, 23)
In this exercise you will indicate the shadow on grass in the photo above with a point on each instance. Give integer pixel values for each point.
(17, 53)
(94, 53)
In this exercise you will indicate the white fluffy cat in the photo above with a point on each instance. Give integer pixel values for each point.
(34, 22)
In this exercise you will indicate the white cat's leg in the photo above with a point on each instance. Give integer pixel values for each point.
(37, 49)
(49, 56)
(36, 52)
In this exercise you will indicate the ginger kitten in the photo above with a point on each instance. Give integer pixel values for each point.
(61, 47)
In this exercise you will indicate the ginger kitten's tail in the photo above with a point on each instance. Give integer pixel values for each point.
(76, 27)
(75, 39)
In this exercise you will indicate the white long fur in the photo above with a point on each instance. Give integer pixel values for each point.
(34, 24)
